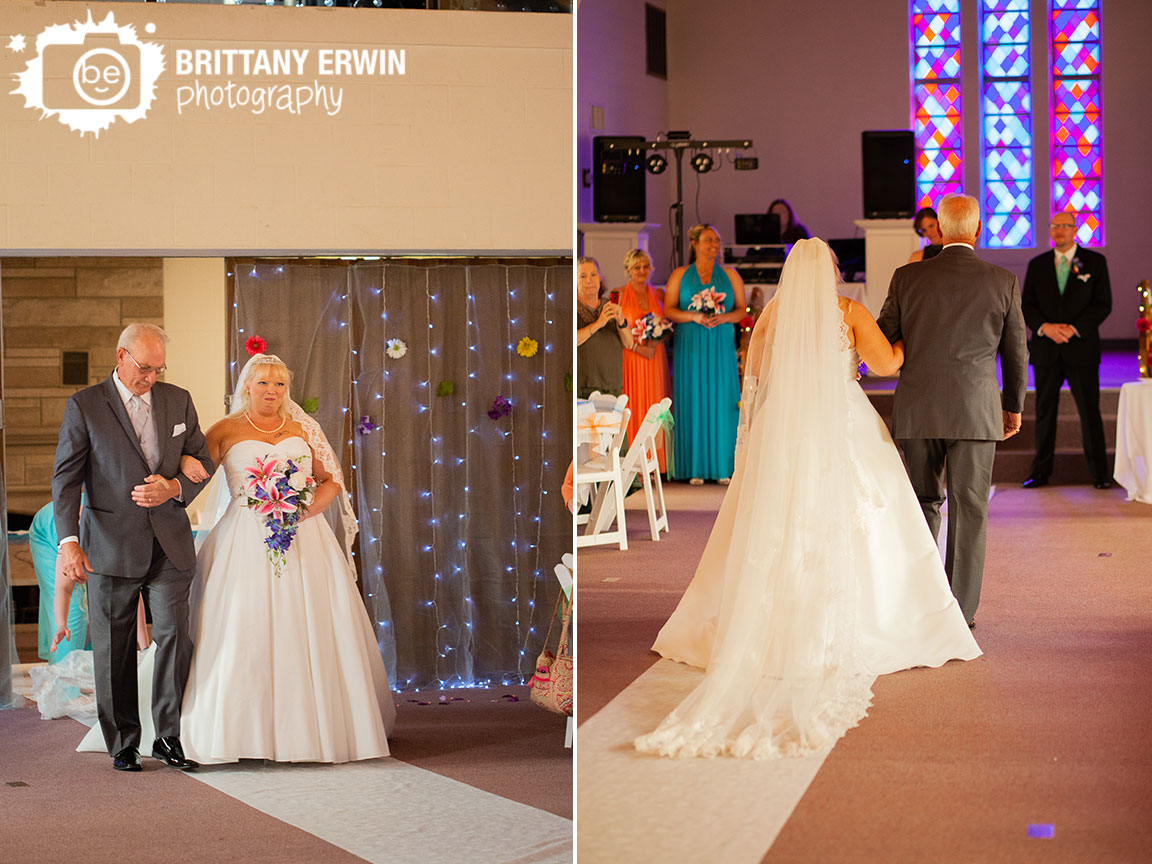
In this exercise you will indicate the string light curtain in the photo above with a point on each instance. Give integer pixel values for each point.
(1077, 154)
(461, 516)
(936, 102)
(1006, 109)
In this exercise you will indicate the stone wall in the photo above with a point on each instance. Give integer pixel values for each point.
(53, 305)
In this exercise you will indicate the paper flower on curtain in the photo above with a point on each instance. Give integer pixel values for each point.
(311, 406)
(527, 347)
(568, 382)
(395, 348)
(1143, 325)
(501, 407)
(255, 345)
(366, 426)
(446, 388)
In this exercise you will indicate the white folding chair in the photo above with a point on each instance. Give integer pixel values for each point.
(641, 459)
(602, 471)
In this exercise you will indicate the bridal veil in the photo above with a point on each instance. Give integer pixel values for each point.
(771, 611)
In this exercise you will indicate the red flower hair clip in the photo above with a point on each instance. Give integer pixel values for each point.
(255, 345)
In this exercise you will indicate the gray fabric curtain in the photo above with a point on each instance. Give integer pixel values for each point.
(461, 515)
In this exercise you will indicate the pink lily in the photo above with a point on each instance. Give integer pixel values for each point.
(276, 504)
(263, 475)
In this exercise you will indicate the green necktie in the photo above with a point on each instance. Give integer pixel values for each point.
(1061, 272)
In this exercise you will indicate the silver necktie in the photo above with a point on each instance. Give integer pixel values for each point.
(141, 414)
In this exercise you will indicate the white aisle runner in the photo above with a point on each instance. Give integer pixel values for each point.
(385, 810)
(641, 808)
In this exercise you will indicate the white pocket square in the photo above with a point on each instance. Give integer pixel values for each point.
(1084, 277)
(177, 429)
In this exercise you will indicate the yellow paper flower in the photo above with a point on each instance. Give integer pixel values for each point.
(527, 347)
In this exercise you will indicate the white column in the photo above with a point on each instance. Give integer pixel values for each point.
(887, 245)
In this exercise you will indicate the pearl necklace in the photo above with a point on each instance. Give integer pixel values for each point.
(265, 431)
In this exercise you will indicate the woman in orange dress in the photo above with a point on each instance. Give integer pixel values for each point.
(646, 379)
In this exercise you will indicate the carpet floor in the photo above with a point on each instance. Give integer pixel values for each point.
(1036, 751)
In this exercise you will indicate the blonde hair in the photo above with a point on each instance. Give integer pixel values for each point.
(633, 257)
(241, 401)
(696, 230)
(958, 216)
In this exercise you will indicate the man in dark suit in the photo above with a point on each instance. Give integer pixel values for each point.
(1066, 297)
(955, 313)
(122, 441)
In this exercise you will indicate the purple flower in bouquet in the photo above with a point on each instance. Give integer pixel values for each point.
(501, 407)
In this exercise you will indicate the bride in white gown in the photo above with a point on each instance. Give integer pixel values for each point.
(286, 665)
(820, 572)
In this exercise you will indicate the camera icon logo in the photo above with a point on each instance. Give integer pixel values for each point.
(90, 74)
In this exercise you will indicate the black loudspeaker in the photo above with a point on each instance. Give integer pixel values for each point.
(618, 179)
(889, 174)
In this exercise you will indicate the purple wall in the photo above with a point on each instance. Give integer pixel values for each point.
(804, 79)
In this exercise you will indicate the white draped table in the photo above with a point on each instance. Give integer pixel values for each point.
(1133, 468)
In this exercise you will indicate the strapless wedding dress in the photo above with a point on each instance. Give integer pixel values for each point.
(286, 667)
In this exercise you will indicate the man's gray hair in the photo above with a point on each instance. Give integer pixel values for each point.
(959, 216)
(134, 333)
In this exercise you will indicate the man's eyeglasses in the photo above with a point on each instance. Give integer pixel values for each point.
(1062, 225)
(146, 370)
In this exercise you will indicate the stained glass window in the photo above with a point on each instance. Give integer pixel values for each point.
(936, 105)
(1006, 124)
(1077, 163)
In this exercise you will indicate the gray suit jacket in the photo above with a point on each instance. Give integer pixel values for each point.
(955, 313)
(98, 450)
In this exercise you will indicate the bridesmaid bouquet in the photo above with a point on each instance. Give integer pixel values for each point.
(651, 328)
(280, 492)
(709, 301)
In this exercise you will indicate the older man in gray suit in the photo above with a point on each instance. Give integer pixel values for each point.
(122, 440)
(955, 313)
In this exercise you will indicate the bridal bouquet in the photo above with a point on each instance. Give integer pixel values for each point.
(279, 491)
(709, 301)
(651, 328)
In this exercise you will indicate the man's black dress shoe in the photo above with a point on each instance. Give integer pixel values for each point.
(1034, 482)
(127, 759)
(1103, 484)
(169, 751)
(972, 624)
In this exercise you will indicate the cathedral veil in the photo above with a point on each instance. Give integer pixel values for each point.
(776, 586)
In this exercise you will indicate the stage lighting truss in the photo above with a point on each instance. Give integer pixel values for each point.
(702, 162)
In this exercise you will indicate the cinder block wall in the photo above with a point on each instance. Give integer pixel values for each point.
(53, 305)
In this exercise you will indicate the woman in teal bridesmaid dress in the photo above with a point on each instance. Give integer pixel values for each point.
(705, 379)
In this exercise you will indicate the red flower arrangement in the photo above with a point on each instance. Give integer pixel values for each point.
(1143, 325)
(255, 345)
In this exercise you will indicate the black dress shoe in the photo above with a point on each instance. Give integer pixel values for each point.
(127, 759)
(169, 751)
(1103, 484)
(1034, 482)
(972, 624)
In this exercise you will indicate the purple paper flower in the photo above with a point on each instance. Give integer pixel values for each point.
(500, 407)
(366, 426)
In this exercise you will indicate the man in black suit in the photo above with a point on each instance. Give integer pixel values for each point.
(122, 440)
(1066, 297)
